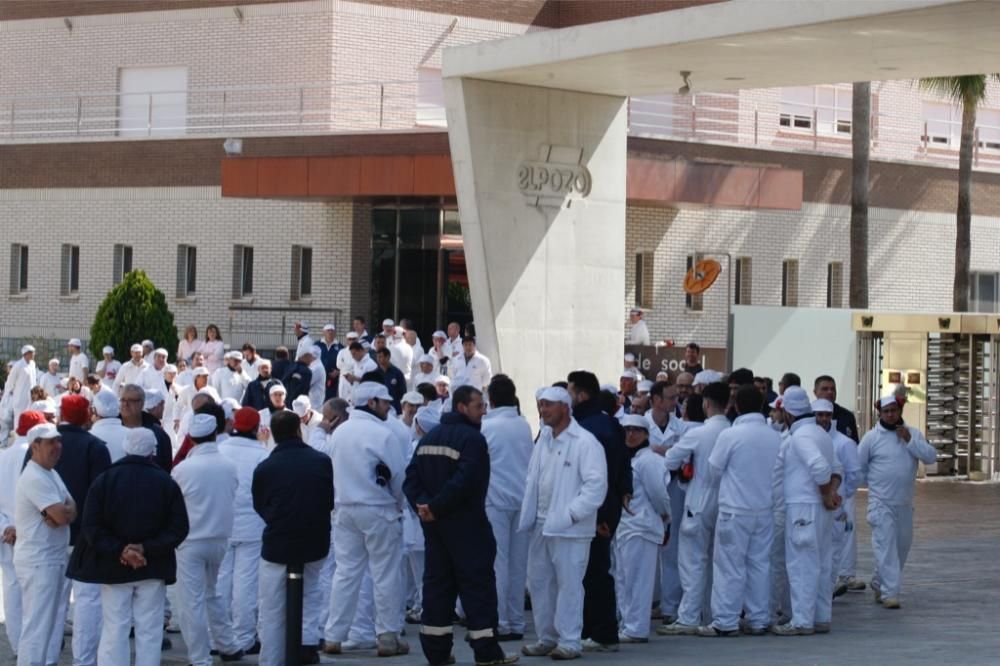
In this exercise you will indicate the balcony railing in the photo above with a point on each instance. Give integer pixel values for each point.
(385, 106)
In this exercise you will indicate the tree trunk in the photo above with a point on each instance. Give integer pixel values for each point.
(861, 111)
(963, 216)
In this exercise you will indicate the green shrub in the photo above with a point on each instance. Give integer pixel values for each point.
(133, 311)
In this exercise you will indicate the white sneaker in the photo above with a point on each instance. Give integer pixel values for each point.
(590, 645)
(350, 645)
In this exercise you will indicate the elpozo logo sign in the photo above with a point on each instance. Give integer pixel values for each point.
(558, 177)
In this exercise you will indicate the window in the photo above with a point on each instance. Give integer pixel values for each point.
(790, 283)
(984, 292)
(121, 264)
(828, 106)
(943, 122)
(242, 271)
(644, 279)
(69, 271)
(301, 272)
(693, 302)
(835, 284)
(18, 268)
(187, 270)
(743, 277)
(430, 98)
(988, 124)
(152, 101)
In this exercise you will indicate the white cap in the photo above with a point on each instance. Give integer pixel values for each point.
(153, 398)
(352, 335)
(413, 398)
(47, 406)
(303, 351)
(139, 442)
(609, 388)
(635, 421)
(203, 425)
(427, 358)
(388, 322)
(235, 355)
(263, 361)
(230, 407)
(399, 330)
(27, 348)
(277, 388)
(443, 379)
(644, 386)
(439, 334)
(630, 357)
(821, 405)
(329, 327)
(53, 360)
(556, 394)
(74, 342)
(635, 311)
(171, 368)
(427, 417)
(366, 391)
(135, 348)
(43, 431)
(147, 343)
(301, 405)
(304, 326)
(108, 349)
(795, 401)
(707, 377)
(776, 403)
(630, 373)
(106, 404)
(211, 393)
(160, 351)
(200, 371)
(884, 401)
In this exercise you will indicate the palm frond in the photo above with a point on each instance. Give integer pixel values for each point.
(970, 89)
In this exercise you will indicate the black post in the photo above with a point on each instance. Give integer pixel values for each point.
(293, 614)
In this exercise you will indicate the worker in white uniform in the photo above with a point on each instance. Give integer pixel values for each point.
(743, 459)
(369, 466)
(305, 342)
(317, 380)
(638, 334)
(238, 572)
(50, 379)
(107, 368)
(695, 528)
(453, 344)
(208, 480)
(344, 364)
(250, 361)
(510, 442)
(642, 530)
(471, 367)
(309, 417)
(107, 425)
(846, 451)
(361, 363)
(401, 352)
(79, 366)
(230, 381)
(131, 372)
(566, 485)
(888, 456)
(23, 377)
(43, 511)
(427, 372)
(812, 476)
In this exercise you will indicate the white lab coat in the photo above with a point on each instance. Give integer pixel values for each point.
(428, 378)
(112, 433)
(229, 384)
(252, 370)
(17, 391)
(11, 462)
(670, 577)
(358, 369)
(107, 371)
(78, 366)
(476, 371)
(890, 467)
(130, 373)
(344, 363)
(52, 383)
(317, 384)
(401, 356)
(638, 334)
(305, 344)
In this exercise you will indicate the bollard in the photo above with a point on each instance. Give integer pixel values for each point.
(293, 614)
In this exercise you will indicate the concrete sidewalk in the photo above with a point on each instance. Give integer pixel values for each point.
(951, 604)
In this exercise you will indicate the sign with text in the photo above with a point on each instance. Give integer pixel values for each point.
(652, 360)
(555, 177)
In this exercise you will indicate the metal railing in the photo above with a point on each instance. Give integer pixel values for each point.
(377, 106)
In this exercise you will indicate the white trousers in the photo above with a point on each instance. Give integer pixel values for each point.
(510, 567)
(366, 536)
(122, 606)
(694, 561)
(809, 560)
(203, 618)
(87, 622)
(325, 583)
(670, 575)
(639, 560)
(413, 577)
(741, 574)
(556, 567)
(11, 596)
(845, 557)
(238, 589)
(781, 602)
(892, 536)
(363, 625)
(41, 592)
(62, 609)
(271, 623)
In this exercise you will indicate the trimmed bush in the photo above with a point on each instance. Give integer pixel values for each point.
(133, 311)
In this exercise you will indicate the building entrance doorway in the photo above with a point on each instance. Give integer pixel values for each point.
(418, 268)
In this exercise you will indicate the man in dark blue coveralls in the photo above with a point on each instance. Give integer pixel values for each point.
(446, 484)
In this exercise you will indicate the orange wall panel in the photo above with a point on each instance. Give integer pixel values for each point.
(239, 177)
(433, 175)
(334, 176)
(282, 177)
(384, 175)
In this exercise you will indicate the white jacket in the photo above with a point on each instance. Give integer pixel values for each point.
(890, 465)
(664, 439)
(112, 433)
(703, 491)
(246, 454)
(475, 372)
(639, 334)
(229, 384)
(743, 460)
(17, 391)
(344, 363)
(649, 510)
(358, 446)
(846, 450)
(575, 459)
(11, 463)
(129, 373)
(317, 384)
(809, 463)
(509, 441)
(208, 481)
(401, 355)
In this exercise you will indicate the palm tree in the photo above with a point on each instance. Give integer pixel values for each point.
(861, 112)
(968, 92)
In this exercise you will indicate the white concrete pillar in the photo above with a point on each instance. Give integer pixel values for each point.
(540, 175)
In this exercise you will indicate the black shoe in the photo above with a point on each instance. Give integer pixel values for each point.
(309, 654)
(253, 649)
(235, 656)
(166, 644)
(510, 637)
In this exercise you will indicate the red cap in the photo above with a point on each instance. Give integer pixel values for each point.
(29, 420)
(75, 409)
(245, 419)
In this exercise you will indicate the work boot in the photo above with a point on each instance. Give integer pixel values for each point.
(878, 593)
(510, 636)
(821, 627)
(891, 603)
(677, 629)
(331, 647)
(390, 645)
(624, 638)
(711, 631)
(538, 649)
(840, 590)
(505, 659)
(590, 645)
(564, 654)
(855, 585)
(791, 630)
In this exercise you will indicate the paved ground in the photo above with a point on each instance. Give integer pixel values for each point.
(951, 604)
